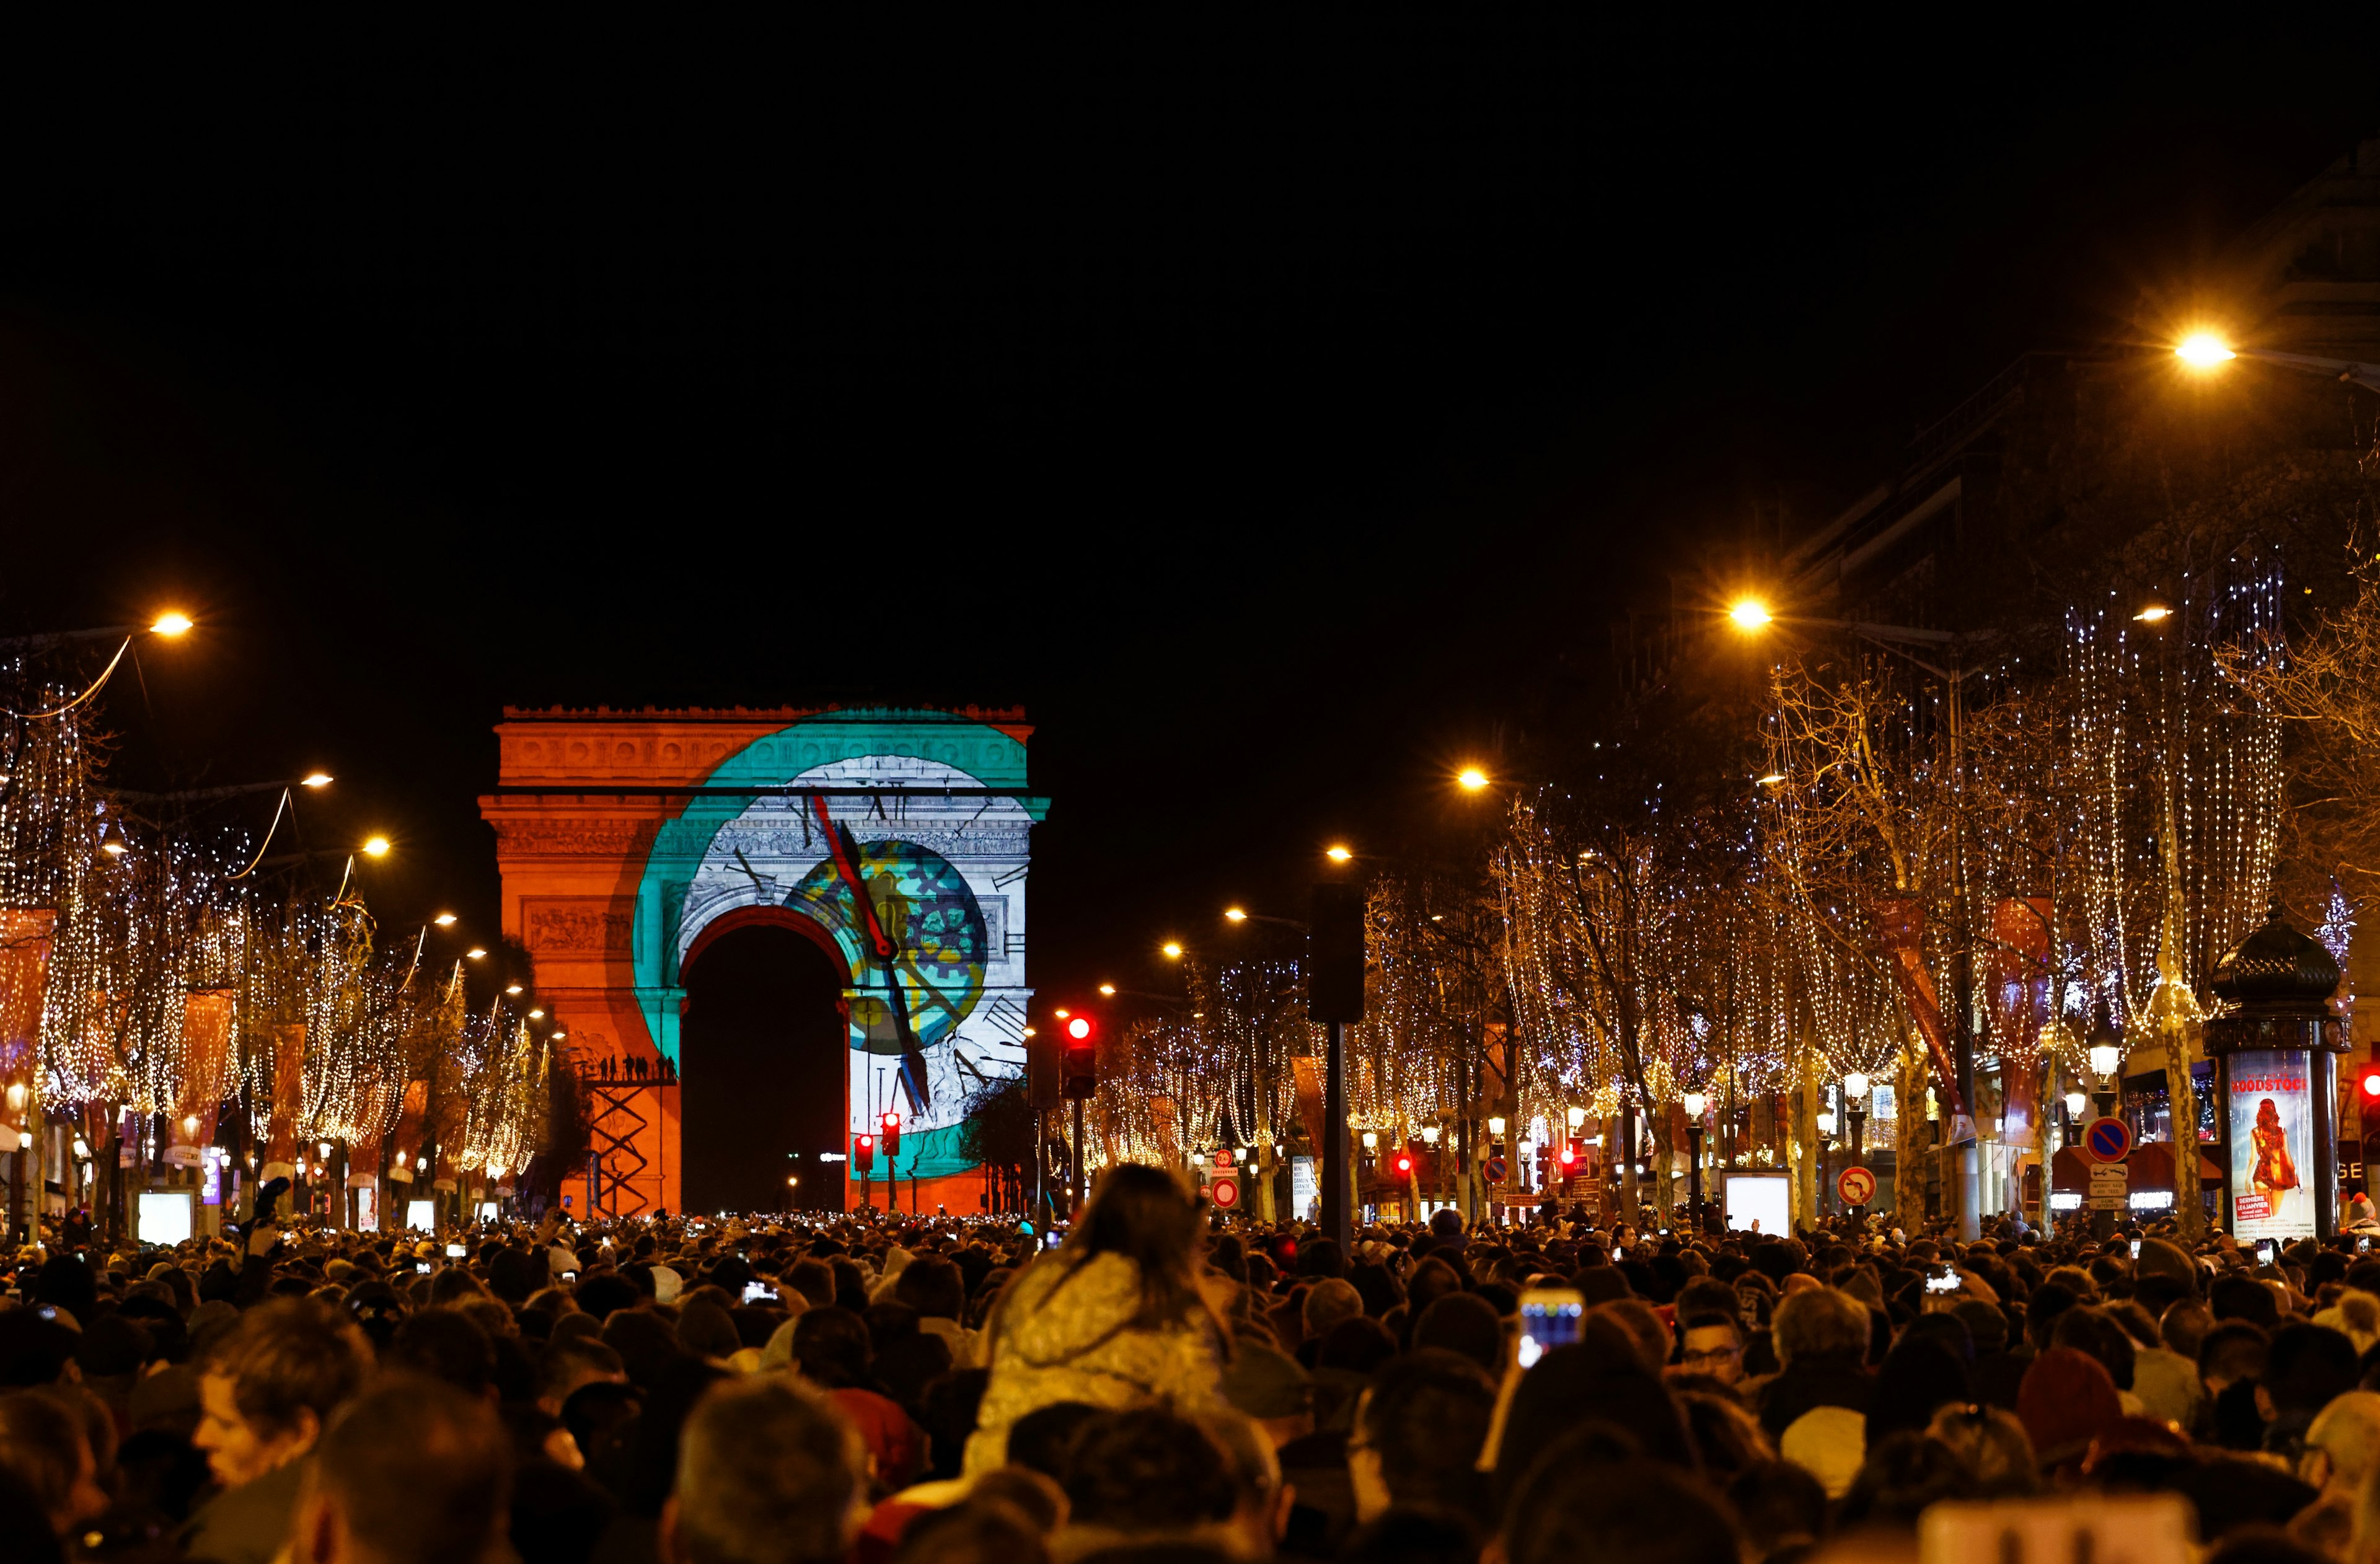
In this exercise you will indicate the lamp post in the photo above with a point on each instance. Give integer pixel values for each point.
(2107, 1058)
(1695, 1105)
(1825, 1144)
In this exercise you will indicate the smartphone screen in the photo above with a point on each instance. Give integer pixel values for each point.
(423, 1267)
(1942, 1279)
(456, 1251)
(1050, 1241)
(1550, 1317)
(760, 1292)
(2136, 1249)
(2263, 1251)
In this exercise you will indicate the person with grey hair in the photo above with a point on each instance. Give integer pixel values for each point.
(766, 1473)
(1821, 1336)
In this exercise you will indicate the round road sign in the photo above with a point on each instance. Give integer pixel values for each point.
(2108, 1140)
(1224, 1193)
(1495, 1169)
(1856, 1186)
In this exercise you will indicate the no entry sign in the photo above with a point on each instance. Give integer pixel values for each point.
(1225, 1194)
(2108, 1140)
(1856, 1186)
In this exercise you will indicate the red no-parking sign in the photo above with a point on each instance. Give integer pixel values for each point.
(1856, 1186)
(1224, 1193)
(2108, 1140)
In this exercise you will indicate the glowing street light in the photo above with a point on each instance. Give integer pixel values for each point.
(512, 988)
(376, 847)
(1107, 988)
(1577, 1117)
(2153, 613)
(2077, 1103)
(170, 622)
(2105, 1058)
(2204, 350)
(475, 953)
(1172, 949)
(1237, 915)
(1826, 1122)
(1695, 1103)
(112, 841)
(1337, 855)
(1472, 778)
(444, 920)
(1749, 613)
(315, 779)
(1855, 1085)
(537, 1016)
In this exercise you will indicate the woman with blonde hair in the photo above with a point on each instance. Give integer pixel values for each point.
(1118, 1317)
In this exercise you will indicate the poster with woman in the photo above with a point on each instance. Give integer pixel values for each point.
(2272, 1144)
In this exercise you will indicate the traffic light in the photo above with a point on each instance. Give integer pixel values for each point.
(1569, 1158)
(1080, 1060)
(1404, 1163)
(863, 1152)
(890, 1126)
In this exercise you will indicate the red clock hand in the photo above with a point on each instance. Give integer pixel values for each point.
(845, 852)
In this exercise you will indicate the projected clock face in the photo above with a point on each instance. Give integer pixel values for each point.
(923, 903)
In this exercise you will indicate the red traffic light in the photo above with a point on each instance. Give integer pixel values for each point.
(890, 1127)
(1079, 1027)
(1404, 1162)
(2372, 1081)
(1570, 1156)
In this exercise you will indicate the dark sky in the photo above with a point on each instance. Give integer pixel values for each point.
(1276, 410)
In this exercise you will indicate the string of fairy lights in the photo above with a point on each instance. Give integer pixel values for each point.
(2110, 825)
(145, 975)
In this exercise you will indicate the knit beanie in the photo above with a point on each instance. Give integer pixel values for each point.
(2066, 1399)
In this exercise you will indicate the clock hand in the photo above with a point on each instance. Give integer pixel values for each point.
(845, 853)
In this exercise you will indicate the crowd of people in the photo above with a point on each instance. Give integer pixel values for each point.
(1156, 1385)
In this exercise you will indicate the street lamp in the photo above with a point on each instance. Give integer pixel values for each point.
(1855, 1110)
(1337, 853)
(1472, 778)
(1696, 1104)
(376, 847)
(1172, 950)
(2207, 351)
(1825, 1144)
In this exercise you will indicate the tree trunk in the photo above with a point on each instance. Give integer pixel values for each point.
(1910, 1145)
(1805, 1141)
(1664, 1167)
(1628, 1210)
(2180, 1046)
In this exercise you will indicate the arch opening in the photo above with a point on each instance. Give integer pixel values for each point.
(764, 1071)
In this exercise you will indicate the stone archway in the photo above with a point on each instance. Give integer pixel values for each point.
(762, 1071)
(625, 840)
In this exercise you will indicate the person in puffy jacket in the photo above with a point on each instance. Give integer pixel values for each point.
(1118, 1317)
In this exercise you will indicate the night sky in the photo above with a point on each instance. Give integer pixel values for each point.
(1281, 412)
